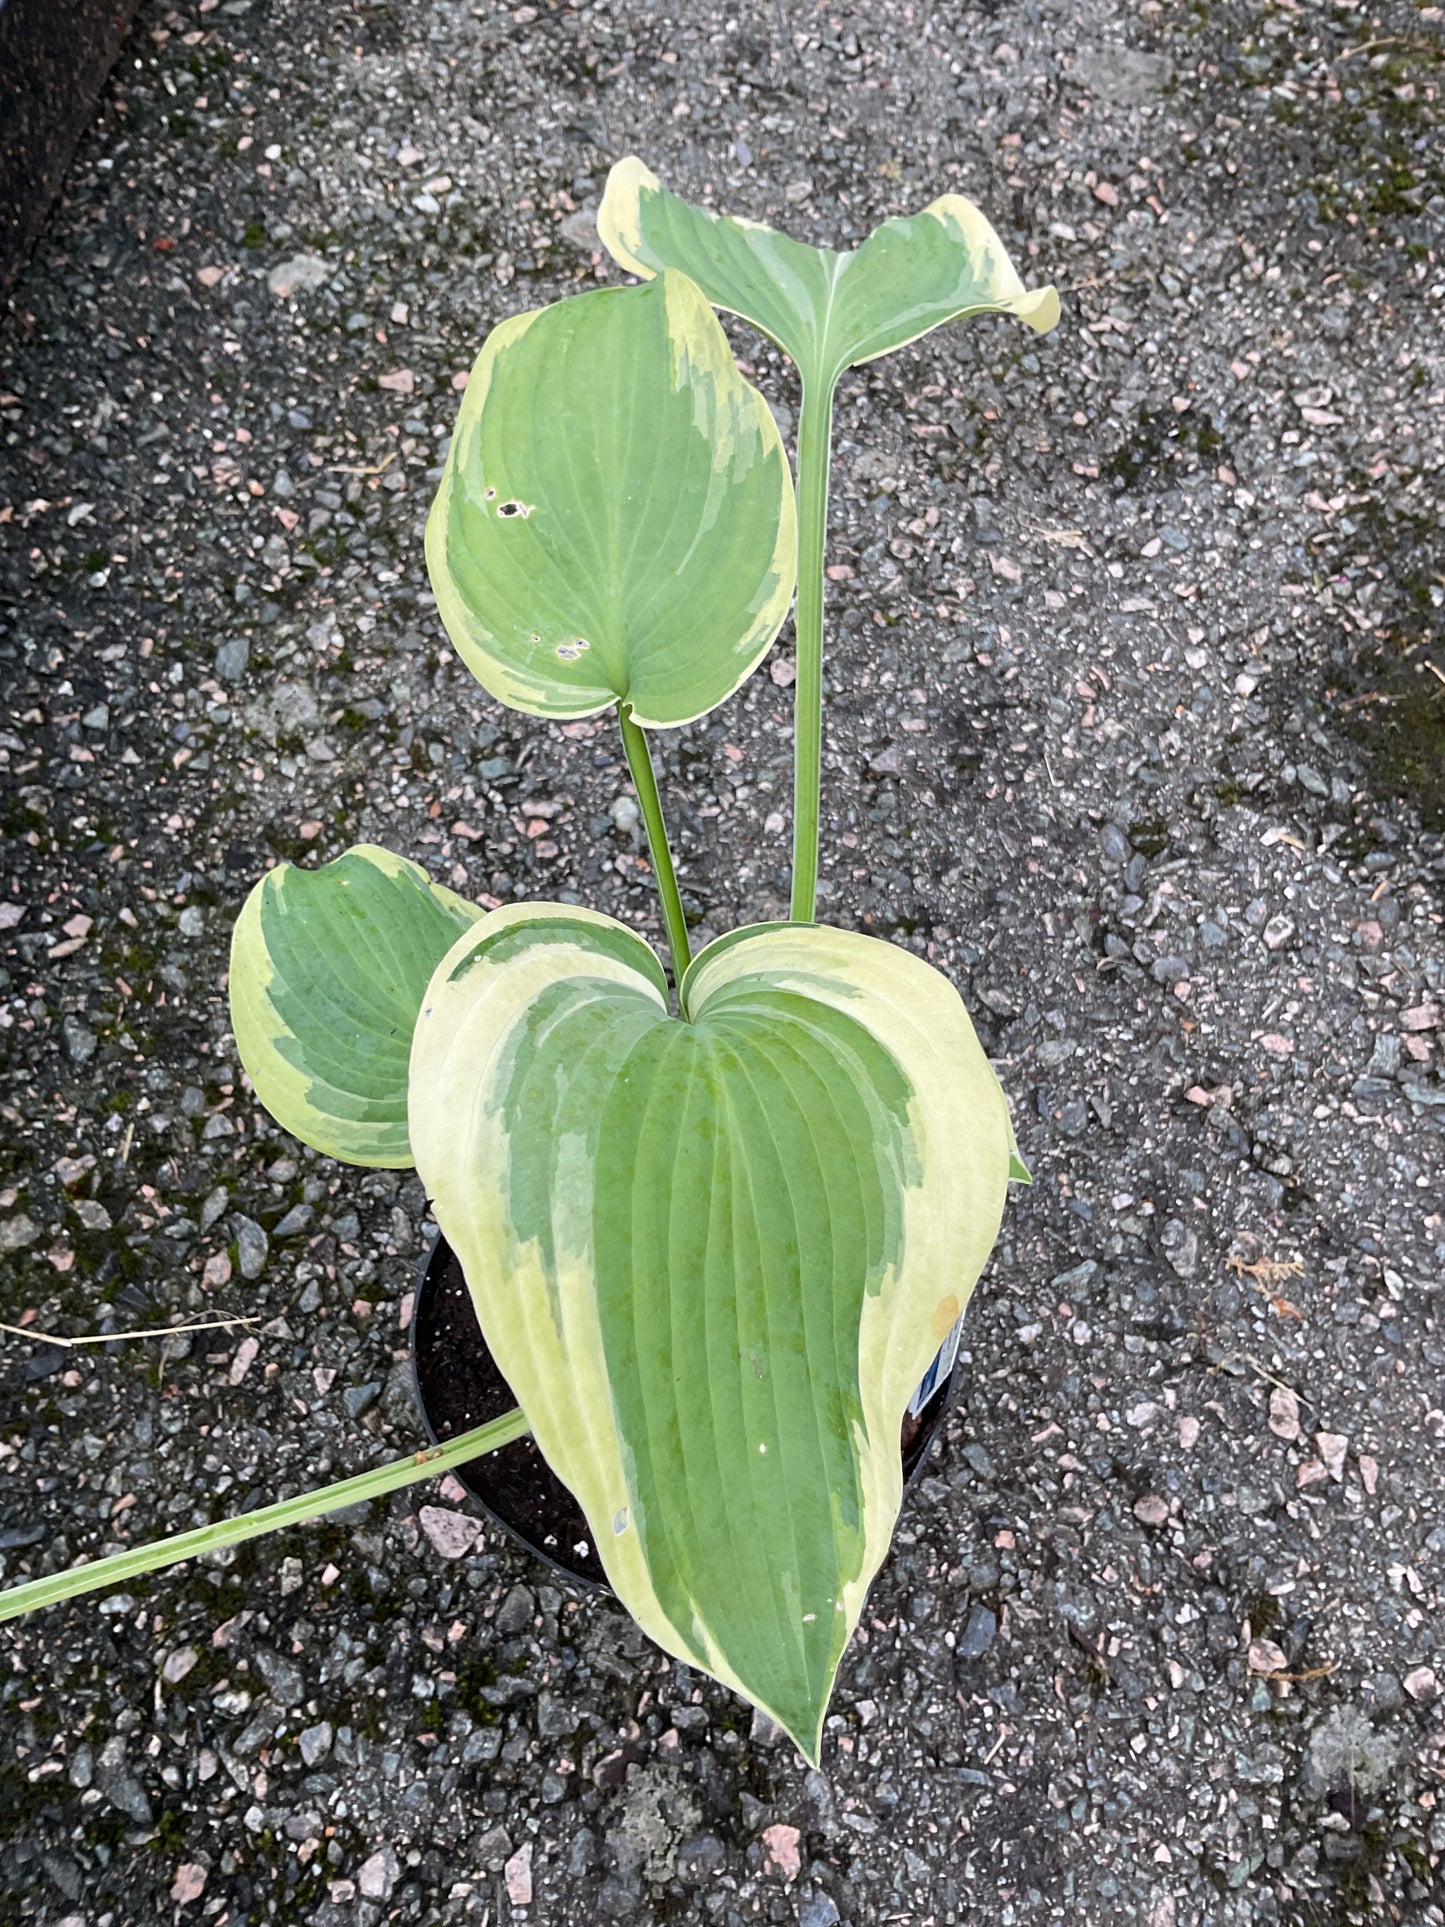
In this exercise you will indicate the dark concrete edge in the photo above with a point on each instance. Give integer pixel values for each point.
(54, 61)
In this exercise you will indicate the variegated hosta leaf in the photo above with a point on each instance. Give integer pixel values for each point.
(615, 519)
(827, 311)
(328, 968)
(714, 1254)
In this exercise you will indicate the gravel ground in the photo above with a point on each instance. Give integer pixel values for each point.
(1134, 731)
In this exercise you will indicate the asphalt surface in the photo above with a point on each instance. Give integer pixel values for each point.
(1136, 730)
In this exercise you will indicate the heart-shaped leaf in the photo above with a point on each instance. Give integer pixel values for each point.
(328, 968)
(615, 520)
(826, 311)
(714, 1254)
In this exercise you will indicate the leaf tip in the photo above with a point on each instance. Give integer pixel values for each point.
(803, 1725)
(619, 219)
(1042, 310)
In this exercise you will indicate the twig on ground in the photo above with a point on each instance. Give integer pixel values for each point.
(363, 468)
(1389, 40)
(1267, 1375)
(111, 1338)
(1062, 538)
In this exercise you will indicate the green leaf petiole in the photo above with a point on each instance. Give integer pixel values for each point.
(644, 780)
(815, 426)
(120, 1566)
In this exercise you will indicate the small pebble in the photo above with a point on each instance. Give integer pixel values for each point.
(978, 1634)
(178, 1664)
(517, 1874)
(1284, 1413)
(377, 1876)
(252, 1245)
(1421, 1684)
(453, 1534)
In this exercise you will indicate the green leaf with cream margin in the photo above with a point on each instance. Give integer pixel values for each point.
(615, 519)
(827, 311)
(713, 1254)
(328, 968)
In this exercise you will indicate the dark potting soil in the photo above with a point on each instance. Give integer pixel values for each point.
(459, 1385)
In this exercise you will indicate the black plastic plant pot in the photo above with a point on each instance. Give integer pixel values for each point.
(459, 1385)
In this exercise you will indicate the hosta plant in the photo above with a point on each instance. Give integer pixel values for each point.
(716, 1219)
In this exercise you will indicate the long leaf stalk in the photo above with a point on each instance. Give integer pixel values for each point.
(644, 779)
(271, 1518)
(815, 424)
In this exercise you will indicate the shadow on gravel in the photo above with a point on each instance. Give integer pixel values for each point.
(1393, 704)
